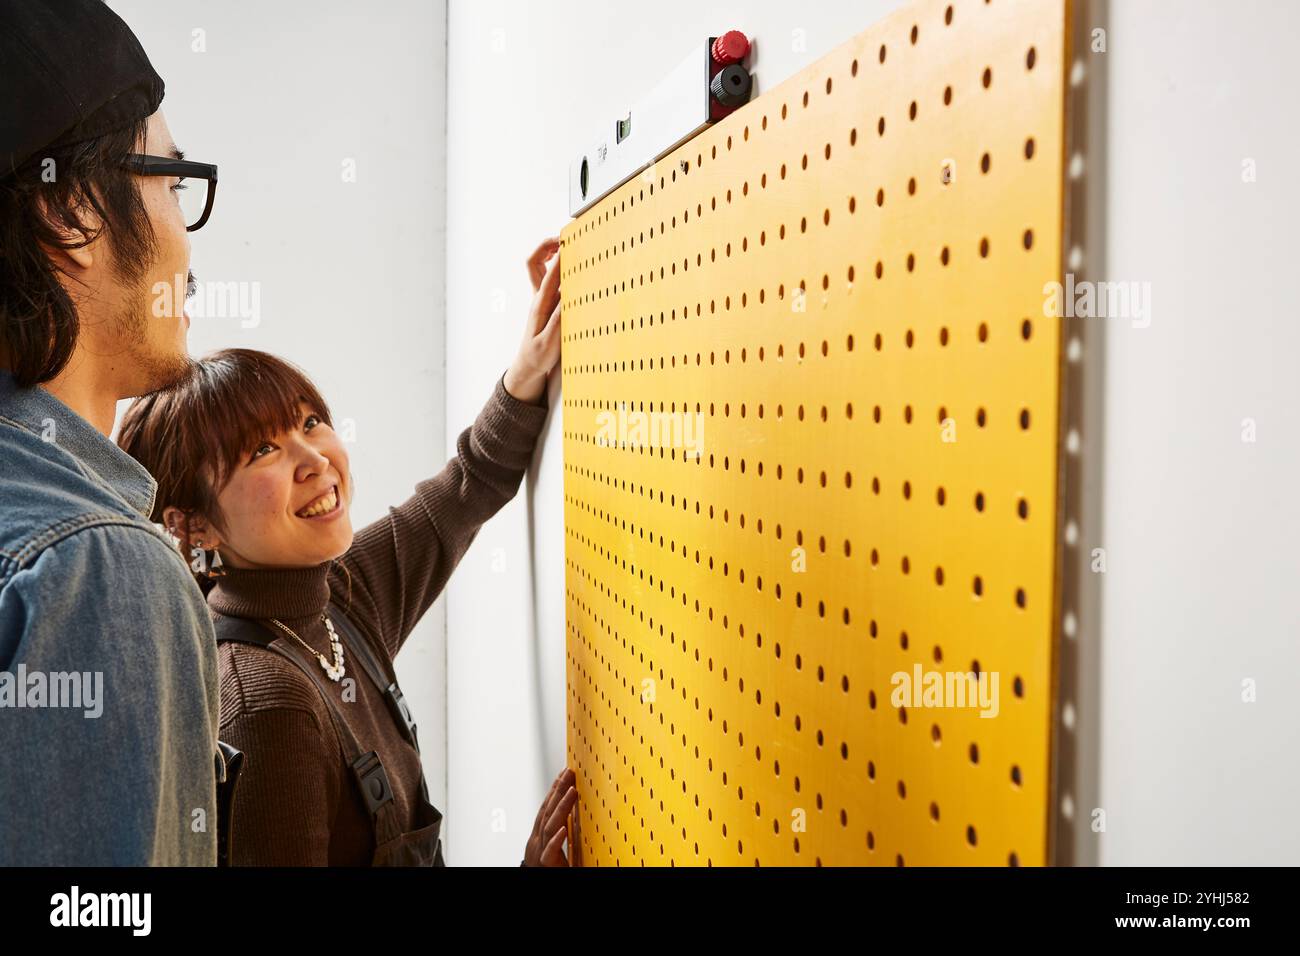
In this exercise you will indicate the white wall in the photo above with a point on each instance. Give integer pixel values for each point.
(527, 82)
(1201, 528)
(351, 273)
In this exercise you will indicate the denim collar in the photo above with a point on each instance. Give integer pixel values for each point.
(100, 459)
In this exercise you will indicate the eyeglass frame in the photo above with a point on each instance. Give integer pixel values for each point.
(143, 164)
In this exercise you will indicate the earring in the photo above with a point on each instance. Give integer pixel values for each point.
(216, 569)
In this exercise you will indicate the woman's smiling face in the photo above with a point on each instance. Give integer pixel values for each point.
(286, 503)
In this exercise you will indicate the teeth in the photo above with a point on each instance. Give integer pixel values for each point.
(323, 505)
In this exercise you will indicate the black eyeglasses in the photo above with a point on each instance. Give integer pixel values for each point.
(197, 187)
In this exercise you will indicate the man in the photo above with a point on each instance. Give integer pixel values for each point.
(108, 671)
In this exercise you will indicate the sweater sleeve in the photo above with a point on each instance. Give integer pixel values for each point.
(399, 565)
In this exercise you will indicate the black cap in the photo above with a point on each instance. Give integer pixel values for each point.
(71, 70)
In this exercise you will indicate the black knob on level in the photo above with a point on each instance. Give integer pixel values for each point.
(730, 85)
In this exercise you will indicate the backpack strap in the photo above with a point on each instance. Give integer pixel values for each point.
(367, 769)
(382, 677)
(379, 674)
(238, 630)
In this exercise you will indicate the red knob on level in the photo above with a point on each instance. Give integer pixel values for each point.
(730, 48)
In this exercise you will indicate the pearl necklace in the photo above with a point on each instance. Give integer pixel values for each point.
(335, 670)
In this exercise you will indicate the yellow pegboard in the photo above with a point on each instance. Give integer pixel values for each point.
(844, 279)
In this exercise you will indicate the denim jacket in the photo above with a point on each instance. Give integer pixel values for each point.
(108, 660)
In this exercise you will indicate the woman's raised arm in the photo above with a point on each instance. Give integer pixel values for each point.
(399, 565)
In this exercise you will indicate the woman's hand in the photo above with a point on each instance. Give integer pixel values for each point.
(546, 845)
(540, 350)
(537, 261)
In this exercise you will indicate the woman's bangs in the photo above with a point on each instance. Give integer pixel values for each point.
(253, 397)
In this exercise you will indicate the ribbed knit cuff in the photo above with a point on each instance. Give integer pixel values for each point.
(501, 388)
(501, 441)
(506, 415)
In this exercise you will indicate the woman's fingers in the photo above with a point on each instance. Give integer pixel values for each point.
(553, 808)
(560, 815)
(548, 293)
(552, 327)
(548, 806)
(550, 285)
(565, 778)
(562, 784)
(557, 829)
(546, 844)
(537, 261)
(548, 803)
(553, 855)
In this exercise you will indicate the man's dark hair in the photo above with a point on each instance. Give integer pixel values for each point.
(38, 319)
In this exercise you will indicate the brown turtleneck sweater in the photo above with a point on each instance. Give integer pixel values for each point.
(296, 804)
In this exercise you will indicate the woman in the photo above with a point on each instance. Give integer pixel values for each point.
(255, 486)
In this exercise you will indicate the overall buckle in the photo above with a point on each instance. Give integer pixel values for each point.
(402, 712)
(375, 787)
